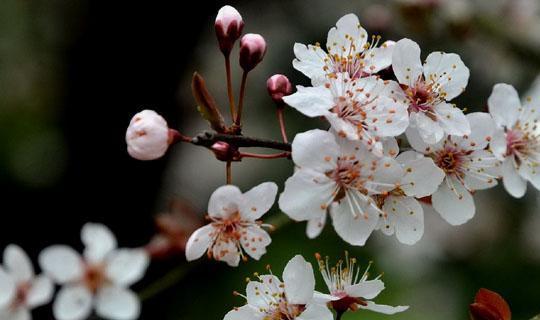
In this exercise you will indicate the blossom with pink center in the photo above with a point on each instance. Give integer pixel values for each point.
(350, 289)
(98, 280)
(428, 88)
(270, 298)
(347, 51)
(467, 164)
(517, 139)
(234, 228)
(357, 109)
(341, 176)
(20, 289)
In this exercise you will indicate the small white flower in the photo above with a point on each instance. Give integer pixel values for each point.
(351, 290)
(403, 214)
(20, 289)
(339, 175)
(517, 139)
(428, 88)
(357, 109)
(234, 228)
(147, 136)
(467, 166)
(100, 279)
(348, 51)
(269, 298)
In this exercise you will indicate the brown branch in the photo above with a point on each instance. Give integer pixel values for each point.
(207, 139)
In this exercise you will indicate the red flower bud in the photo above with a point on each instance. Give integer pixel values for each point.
(252, 50)
(278, 86)
(222, 150)
(229, 25)
(489, 305)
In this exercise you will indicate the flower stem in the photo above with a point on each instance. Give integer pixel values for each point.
(265, 156)
(165, 282)
(339, 315)
(238, 120)
(208, 138)
(229, 85)
(229, 172)
(282, 124)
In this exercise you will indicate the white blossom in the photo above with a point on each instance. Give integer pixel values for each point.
(270, 298)
(358, 109)
(341, 176)
(147, 136)
(98, 280)
(517, 139)
(428, 88)
(20, 289)
(347, 51)
(234, 228)
(467, 165)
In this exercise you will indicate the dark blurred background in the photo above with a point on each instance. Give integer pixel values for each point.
(72, 73)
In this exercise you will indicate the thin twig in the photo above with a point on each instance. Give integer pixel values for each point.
(265, 156)
(207, 139)
(229, 172)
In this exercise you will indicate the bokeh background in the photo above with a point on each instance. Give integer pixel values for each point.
(72, 73)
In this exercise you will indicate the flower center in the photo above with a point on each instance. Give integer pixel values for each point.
(21, 294)
(95, 277)
(422, 97)
(450, 160)
(347, 175)
(522, 144)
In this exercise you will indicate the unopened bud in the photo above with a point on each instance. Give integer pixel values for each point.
(147, 136)
(252, 50)
(278, 86)
(489, 305)
(229, 25)
(222, 150)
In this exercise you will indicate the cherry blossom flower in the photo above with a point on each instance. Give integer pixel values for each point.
(357, 109)
(348, 51)
(99, 279)
(467, 166)
(269, 298)
(428, 88)
(234, 229)
(147, 136)
(341, 176)
(517, 139)
(403, 214)
(350, 289)
(20, 289)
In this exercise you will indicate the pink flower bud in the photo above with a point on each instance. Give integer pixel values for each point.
(147, 136)
(278, 86)
(222, 150)
(229, 25)
(252, 50)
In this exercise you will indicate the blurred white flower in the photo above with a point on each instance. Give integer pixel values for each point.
(428, 88)
(234, 228)
(340, 175)
(403, 214)
(357, 109)
(348, 52)
(147, 136)
(100, 279)
(20, 289)
(351, 290)
(467, 165)
(269, 298)
(517, 139)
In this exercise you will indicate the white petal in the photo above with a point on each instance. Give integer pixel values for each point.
(390, 147)
(315, 226)
(379, 58)
(40, 292)
(406, 62)
(311, 101)
(98, 241)
(447, 70)
(342, 127)
(498, 144)
(254, 241)
(388, 119)
(226, 251)
(61, 263)
(407, 217)
(482, 170)
(199, 242)
(482, 130)
(315, 149)
(72, 303)
(380, 308)
(348, 37)
(257, 292)
(17, 263)
(307, 195)
(259, 200)
(316, 312)
(117, 303)
(353, 227)
(246, 312)
(224, 201)
(127, 266)
(512, 181)
(453, 202)
(452, 120)
(7, 288)
(17, 313)
(504, 105)
(430, 131)
(299, 280)
(422, 177)
(416, 141)
(386, 176)
(309, 61)
(368, 289)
